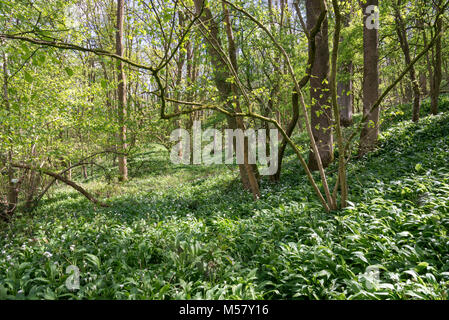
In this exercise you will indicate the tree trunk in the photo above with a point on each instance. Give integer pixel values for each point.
(429, 65)
(402, 35)
(370, 132)
(33, 182)
(345, 96)
(437, 65)
(321, 112)
(121, 93)
(13, 191)
(85, 175)
(295, 106)
(180, 66)
(248, 173)
(408, 90)
(345, 87)
(295, 97)
(423, 83)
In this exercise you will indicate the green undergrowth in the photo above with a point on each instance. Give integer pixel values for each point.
(190, 232)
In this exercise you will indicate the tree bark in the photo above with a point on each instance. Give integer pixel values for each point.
(321, 112)
(180, 66)
(248, 173)
(402, 35)
(121, 93)
(345, 96)
(370, 132)
(13, 191)
(295, 97)
(437, 64)
(345, 87)
(66, 181)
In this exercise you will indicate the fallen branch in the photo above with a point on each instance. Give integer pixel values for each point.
(81, 163)
(66, 181)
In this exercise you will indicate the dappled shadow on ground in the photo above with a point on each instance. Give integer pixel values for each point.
(163, 191)
(198, 192)
(403, 156)
(193, 232)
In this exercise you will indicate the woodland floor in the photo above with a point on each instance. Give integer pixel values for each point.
(188, 232)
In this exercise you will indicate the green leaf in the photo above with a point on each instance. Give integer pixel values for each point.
(93, 259)
(69, 71)
(28, 77)
(422, 266)
(361, 256)
(104, 83)
(42, 58)
(25, 48)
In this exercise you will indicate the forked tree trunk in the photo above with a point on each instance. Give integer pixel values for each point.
(295, 97)
(248, 172)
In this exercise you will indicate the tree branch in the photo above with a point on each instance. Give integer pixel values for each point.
(66, 181)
